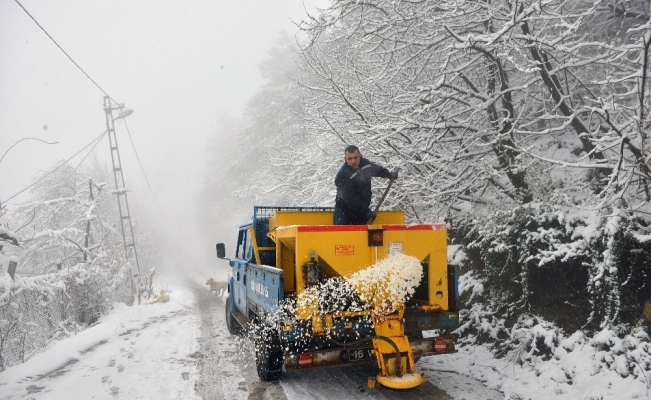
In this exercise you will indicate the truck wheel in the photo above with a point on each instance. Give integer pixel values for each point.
(269, 364)
(234, 327)
(269, 360)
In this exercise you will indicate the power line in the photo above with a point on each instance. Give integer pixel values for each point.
(87, 154)
(103, 91)
(64, 163)
(64, 52)
(142, 169)
(27, 138)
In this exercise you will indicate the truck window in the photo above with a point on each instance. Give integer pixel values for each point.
(248, 248)
(244, 245)
(241, 242)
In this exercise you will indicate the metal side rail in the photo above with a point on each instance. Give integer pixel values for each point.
(241, 319)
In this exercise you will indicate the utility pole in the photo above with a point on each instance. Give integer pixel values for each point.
(128, 237)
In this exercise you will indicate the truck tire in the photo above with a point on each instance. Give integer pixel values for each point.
(234, 327)
(269, 364)
(269, 359)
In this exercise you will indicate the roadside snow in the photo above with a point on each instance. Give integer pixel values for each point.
(539, 381)
(151, 351)
(138, 352)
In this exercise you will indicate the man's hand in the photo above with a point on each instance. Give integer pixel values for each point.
(393, 175)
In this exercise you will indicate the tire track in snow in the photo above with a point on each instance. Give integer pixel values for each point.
(226, 368)
(350, 383)
(216, 373)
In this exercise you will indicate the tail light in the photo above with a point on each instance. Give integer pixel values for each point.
(305, 361)
(440, 346)
(375, 237)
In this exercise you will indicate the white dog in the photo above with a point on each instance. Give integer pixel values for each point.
(219, 287)
(162, 298)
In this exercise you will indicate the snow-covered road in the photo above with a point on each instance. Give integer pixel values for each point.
(139, 352)
(227, 371)
(182, 350)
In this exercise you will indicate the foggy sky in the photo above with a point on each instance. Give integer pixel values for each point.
(180, 65)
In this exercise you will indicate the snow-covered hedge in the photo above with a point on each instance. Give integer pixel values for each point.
(36, 310)
(557, 284)
(576, 266)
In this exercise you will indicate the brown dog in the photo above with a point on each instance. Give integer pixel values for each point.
(219, 287)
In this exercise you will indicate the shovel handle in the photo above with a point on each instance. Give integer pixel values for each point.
(384, 196)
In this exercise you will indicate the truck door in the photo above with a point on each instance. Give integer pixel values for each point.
(243, 255)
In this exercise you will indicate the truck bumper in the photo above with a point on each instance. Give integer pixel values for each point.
(340, 356)
(334, 357)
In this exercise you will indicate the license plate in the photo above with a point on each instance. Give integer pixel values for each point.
(359, 354)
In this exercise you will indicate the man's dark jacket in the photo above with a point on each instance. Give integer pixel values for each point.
(354, 187)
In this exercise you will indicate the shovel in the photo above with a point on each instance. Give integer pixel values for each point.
(384, 195)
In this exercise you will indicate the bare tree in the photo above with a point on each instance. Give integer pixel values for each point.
(523, 121)
(489, 104)
(71, 218)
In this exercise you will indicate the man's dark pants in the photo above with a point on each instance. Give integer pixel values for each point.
(344, 217)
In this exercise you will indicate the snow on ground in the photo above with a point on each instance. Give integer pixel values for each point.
(152, 351)
(139, 352)
(546, 380)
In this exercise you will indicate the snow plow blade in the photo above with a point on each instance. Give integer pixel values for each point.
(406, 381)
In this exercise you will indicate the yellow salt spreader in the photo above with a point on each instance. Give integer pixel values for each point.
(316, 295)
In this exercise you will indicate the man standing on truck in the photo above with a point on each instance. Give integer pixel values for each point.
(353, 183)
